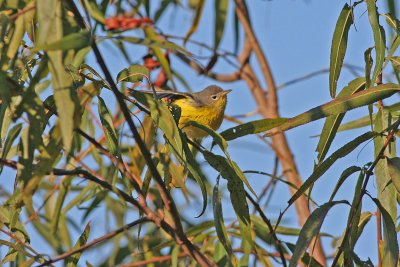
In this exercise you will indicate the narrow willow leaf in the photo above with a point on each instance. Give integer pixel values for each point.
(196, 20)
(133, 74)
(252, 127)
(94, 11)
(332, 123)
(345, 174)
(325, 165)
(394, 171)
(379, 38)
(391, 245)
(220, 10)
(355, 124)
(50, 17)
(161, 57)
(310, 229)
(305, 259)
(227, 168)
(386, 190)
(76, 40)
(353, 221)
(393, 48)
(339, 45)
(11, 136)
(62, 193)
(73, 260)
(392, 22)
(236, 190)
(368, 66)
(217, 138)
(108, 127)
(155, 44)
(219, 221)
(334, 107)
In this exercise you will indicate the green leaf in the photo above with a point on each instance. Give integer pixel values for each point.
(379, 39)
(325, 165)
(394, 171)
(94, 11)
(196, 20)
(391, 245)
(334, 107)
(73, 260)
(345, 174)
(386, 190)
(161, 57)
(310, 229)
(133, 74)
(155, 44)
(76, 40)
(368, 66)
(393, 48)
(219, 221)
(11, 136)
(108, 127)
(236, 190)
(339, 45)
(252, 127)
(220, 10)
(217, 138)
(332, 123)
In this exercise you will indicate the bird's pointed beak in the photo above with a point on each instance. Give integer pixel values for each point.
(225, 92)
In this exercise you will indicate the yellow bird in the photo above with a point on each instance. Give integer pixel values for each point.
(205, 107)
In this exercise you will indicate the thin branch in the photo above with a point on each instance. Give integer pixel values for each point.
(96, 241)
(369, 173)
(278, 243)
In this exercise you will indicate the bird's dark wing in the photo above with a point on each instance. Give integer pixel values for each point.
(169, 95)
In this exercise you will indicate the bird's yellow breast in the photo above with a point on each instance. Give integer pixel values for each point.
(210, 116)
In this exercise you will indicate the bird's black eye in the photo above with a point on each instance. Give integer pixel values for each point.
(214, 97)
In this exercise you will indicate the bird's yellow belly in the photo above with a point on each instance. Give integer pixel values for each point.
(204, 115)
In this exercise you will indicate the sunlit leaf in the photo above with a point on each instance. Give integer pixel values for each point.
(77, 40)
(196, 20)
(332, 122)
(379, 39)
(310, 229)
(73, 260)
(339, 45)
(394, 171)
(391, 245)
(133, 74)
(325, 165)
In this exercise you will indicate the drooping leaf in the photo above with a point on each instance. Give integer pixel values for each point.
(133, 74)
(332, 123)
(196, 20)
(160, 55)
(155, 44)
(76, 40)
(325, 165)
(394, 171)
(236, 190)
(72, 261)
(219, 221)
(339, 45)
(220, 10)
(379, 39)
(108, 127)
(310, 229)
(391, 245)
(345, 174)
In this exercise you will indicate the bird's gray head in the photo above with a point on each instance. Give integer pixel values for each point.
(211, 94)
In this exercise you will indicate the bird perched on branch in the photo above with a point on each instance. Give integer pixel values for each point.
(206, 107)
